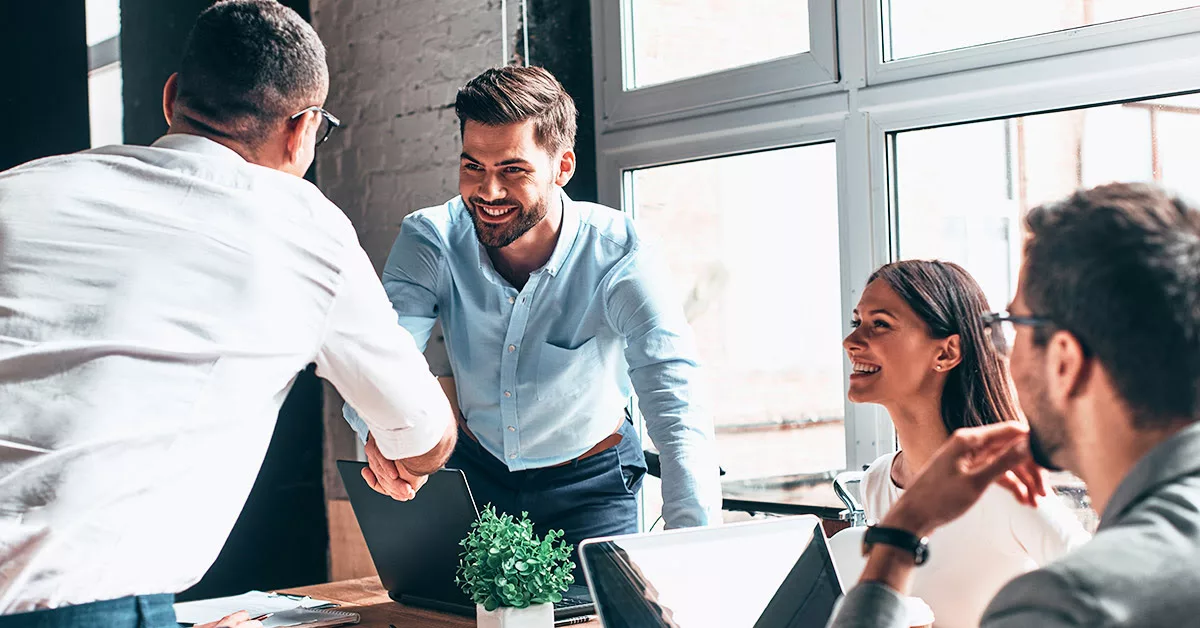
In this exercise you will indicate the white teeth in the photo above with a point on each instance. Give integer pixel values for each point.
(495, 211)
(865, 368)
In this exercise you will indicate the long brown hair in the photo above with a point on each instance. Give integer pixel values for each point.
(950, 302)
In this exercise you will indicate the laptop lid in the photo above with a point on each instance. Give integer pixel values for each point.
(775, 573)
(414, 544)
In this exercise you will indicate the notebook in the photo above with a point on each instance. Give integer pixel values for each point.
(289, 610)
(306, 617)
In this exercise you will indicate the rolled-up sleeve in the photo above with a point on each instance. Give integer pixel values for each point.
(378, 368)
(665, 372)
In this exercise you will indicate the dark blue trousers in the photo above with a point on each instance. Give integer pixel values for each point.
(142, 611)
(588, 498)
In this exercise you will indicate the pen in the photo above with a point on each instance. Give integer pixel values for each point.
(261, 617)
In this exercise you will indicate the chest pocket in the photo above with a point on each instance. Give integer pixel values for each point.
(566, 372)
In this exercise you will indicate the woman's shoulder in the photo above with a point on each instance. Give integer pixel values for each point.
(878, 490)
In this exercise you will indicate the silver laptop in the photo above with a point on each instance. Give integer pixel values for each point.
(775, 573)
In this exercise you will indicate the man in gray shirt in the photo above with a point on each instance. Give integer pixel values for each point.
(1105, 354)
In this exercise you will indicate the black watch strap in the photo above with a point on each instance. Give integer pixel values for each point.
(901, 539)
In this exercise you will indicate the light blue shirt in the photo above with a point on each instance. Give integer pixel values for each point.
(543, 373)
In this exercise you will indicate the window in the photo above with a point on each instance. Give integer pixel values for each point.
(713, 118)
(736, 252)
(105, 107)
(675, 39)
(961, 192)
(918, 27)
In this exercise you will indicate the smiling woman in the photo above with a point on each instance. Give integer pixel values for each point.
(920, 349)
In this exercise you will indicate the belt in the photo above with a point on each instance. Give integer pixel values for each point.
(607, 443)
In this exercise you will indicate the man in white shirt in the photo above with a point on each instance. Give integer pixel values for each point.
(156, 304)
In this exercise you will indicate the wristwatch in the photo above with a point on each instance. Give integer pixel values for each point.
(918, 546)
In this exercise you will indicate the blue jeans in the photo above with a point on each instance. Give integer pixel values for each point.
(142, 611)
(588, 498)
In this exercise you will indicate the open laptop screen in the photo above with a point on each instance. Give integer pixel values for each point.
(769, 574)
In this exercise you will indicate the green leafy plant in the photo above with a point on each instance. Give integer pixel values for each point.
(505, 564)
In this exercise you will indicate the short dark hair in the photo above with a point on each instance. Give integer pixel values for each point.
(1118, 266)
(949, 301)
(249, 64)
(513, 94)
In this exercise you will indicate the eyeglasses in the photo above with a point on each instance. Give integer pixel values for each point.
(1001, 329)
(329, 122)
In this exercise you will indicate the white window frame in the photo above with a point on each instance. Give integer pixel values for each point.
(769, 80)
(1039, 46)
(1131, 60)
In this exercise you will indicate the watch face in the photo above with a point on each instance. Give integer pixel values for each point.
(921, 552)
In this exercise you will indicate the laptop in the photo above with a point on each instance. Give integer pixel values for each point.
(414, 544)
(776, 573)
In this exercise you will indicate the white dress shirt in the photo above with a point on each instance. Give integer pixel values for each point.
(974, 556)
(156, 304)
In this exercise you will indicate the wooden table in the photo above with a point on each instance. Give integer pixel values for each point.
(366, 597)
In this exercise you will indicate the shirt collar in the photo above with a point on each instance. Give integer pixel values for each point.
(567, 234)
(196, 144)
(1175, 457)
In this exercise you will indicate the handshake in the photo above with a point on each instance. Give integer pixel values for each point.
(401, 479)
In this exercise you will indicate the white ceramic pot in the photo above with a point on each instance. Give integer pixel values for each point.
(536, 616)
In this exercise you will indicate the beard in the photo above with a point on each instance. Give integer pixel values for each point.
(1046, 428)
(500, 236)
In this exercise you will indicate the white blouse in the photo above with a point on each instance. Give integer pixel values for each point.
(971, 558)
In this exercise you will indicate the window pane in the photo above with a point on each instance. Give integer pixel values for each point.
(103, 20)
(962, 191)
(105, 109)
(676, 39)
(769, 334)
(917, 27)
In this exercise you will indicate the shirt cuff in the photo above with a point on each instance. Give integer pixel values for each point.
(408, 442)
(870, 605)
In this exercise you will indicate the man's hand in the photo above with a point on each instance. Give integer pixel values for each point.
(389, 477)
(240, 619)
(961, 470)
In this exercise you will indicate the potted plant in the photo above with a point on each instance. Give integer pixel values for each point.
(513, 577)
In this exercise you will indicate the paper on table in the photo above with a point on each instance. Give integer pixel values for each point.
(254, 602)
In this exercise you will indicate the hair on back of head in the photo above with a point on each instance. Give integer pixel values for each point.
(247, 65)
(949, 301)
(513, 94)
(1118, 267)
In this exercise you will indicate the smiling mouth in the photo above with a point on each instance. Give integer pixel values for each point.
(864, 370)
(493, 213)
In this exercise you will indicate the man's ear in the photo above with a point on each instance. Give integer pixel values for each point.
(951, 354)
(1067, 368)
(170, 91)
(296, 131)
(565, 168)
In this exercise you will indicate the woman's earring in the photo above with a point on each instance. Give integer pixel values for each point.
(938, 367)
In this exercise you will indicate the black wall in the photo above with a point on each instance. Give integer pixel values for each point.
(43, 92)
(560, 40)
(282, 537)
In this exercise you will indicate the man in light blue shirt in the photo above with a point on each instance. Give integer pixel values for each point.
(554, 312)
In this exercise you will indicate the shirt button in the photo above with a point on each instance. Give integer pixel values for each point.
(512, 428)
(512, 299)
(507, 394)
(512, 348)
(512, 456)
